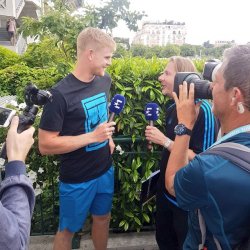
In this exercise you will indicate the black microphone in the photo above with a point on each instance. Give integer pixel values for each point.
(151, 115)
(116, 106)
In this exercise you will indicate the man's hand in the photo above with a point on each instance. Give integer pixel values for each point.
(18, 145)
(187, 111)
(103, 131)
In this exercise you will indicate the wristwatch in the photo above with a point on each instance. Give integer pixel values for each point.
(181, 129)
(167, 143)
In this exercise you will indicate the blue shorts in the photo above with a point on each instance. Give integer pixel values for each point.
(77, 200)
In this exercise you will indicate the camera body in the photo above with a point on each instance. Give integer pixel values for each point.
(33, 97)
(201, 83)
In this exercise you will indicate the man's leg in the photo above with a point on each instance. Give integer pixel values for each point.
(100, 209)
(63, 240)
(100, 231)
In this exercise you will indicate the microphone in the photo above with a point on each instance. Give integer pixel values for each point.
(116, 106)
(151, 115)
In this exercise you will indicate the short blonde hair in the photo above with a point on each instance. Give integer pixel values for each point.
(183, 64)
(94, 38)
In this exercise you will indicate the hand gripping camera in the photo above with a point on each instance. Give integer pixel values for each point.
(201, 83)
(34, 97)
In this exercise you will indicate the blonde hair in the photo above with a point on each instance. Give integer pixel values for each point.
(182, 64)
(94, 38)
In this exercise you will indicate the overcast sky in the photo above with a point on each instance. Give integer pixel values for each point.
(205, 20)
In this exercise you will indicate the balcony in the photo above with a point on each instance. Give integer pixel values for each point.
(31, 8)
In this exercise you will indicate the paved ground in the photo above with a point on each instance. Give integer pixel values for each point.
(121, 241)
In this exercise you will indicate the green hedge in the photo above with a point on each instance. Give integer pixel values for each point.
(7, 57)
(137, 80)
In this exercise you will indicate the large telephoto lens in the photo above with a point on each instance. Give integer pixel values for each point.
(202, 88)
(210, 68)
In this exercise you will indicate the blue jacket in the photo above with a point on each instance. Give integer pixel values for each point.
(17, 200)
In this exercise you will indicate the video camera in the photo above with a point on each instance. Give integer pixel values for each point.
(34, 97)
(201, 83)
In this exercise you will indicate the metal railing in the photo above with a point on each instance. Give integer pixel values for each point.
(45, 217)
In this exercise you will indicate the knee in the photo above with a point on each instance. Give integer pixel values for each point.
(102, 219)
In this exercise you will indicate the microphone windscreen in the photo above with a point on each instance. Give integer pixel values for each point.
(151, 111)
(117, 104)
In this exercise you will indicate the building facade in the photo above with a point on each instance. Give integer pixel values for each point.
(17, 9)
(161, 33)
(220, 43)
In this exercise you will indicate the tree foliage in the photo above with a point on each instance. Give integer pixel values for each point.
(64, 25)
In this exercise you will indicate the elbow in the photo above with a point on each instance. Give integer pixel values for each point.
(43, 149)
(169, 184)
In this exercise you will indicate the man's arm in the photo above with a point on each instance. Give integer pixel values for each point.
(187, 114)
(16, 207)
(52, 143)
(16, 192)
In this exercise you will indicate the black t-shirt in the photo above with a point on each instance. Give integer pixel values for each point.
(204, 134)
(78, 108)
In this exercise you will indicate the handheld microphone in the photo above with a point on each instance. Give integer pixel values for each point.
(151, 115)
(116, 106)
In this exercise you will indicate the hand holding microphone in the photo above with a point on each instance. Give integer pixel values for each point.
(105, 130)
(116, 106)
(151, 115)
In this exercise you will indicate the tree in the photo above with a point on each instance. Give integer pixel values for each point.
(64, 24)
(170, 50)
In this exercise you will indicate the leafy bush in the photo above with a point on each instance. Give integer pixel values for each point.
(137, 80)
(14, 79)
(8, 58)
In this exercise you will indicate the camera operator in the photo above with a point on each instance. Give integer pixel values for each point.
(212, 183)
(17, 196)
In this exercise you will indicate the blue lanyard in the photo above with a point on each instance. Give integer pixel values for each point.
(234, 132)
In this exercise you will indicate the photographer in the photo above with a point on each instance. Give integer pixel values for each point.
(17, 197)
(215, 185)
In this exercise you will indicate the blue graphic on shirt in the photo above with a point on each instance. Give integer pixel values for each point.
(95, 108)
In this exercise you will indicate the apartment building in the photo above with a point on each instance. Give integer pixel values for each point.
(17, 9)
(161, 33)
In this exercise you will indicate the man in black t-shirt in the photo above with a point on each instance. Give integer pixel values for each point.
(171, 221)
(75, 126)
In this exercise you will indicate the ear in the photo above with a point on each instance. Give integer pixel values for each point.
(236, 96)
(90, 54)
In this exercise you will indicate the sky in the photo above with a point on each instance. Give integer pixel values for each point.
(205, 20)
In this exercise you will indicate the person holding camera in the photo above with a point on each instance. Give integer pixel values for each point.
(171, 221)
(213, 184)
(74, 125)
(17, 197)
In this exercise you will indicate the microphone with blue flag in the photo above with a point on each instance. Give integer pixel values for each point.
(116, 106)
(151, 114)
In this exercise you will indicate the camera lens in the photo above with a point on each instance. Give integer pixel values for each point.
(202, 88)
(210, 69)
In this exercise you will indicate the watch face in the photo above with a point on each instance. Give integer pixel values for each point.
(180, 129)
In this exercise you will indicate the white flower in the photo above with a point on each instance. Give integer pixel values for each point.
(32, 176)
(13, 103)
(40, 170)
(38, 191)
(55, 162)
(118, 148)
(22, 105)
